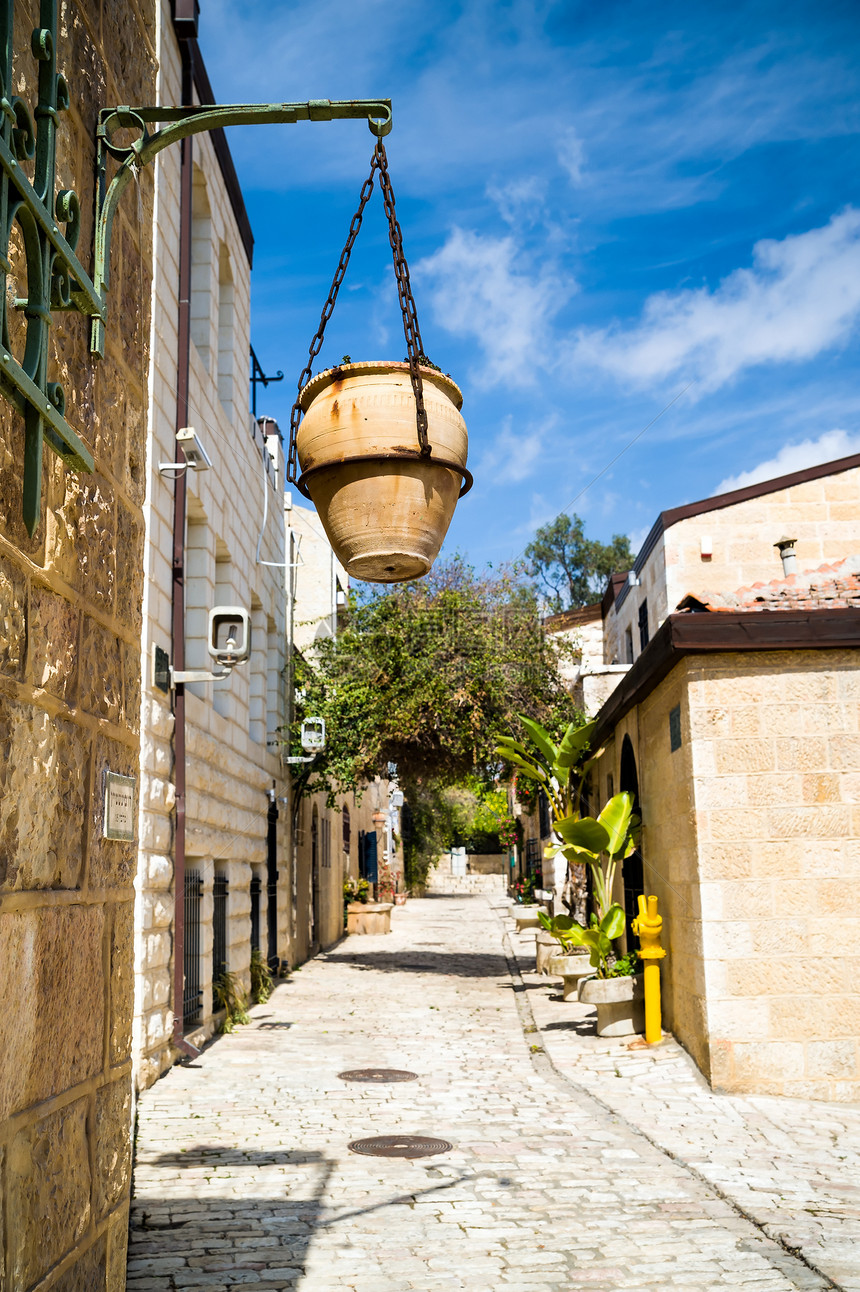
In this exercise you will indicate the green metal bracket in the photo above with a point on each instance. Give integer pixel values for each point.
(56, 279)
(182, 122)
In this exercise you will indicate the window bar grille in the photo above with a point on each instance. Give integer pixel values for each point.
(219, 927)
(192, 996)
(256, 888)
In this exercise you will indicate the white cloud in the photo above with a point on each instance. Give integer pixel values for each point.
(571, 154)
(513, 456)
(795, 457)
(801, 296)
(478, 289)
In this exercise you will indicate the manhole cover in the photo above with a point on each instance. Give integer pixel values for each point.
(378, 1074)
(400, 1146)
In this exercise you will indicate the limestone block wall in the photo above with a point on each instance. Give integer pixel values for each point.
(69, 711)
(775, 751)
(233, 755)
(821, 514)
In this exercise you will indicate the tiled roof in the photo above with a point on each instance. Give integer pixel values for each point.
(830, 587)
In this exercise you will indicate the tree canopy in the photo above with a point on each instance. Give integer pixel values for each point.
(426, 674)
(571, 569)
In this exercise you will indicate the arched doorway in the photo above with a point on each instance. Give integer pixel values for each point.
(632, 874)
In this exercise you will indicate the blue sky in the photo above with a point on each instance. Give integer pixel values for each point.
(605, 207)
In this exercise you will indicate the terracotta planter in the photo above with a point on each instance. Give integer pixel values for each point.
(385, 509)
(400, 899)
(620, 1004)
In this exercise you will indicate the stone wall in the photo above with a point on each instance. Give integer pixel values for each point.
(232, 750)
(750, 841)
(821, 514)
(69, 711)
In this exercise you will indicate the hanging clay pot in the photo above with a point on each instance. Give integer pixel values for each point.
(384, 508)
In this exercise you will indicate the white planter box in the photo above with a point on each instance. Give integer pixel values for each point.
(620, 1004)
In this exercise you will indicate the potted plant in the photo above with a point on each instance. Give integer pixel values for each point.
(385, 508)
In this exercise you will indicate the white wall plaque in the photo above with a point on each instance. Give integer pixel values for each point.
(119, 807)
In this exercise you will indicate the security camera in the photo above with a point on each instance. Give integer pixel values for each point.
(229, 635)
(196, 457)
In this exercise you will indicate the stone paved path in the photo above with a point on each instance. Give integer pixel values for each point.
(244, 1177)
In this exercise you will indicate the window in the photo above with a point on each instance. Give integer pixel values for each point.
(643, 624)
(192, 996)
(545, 825)
(226, 337)
(346, 829)
(225, 691)
(326, 841)
(219, 927)
(199, 591)
(256, 890)
(201, 269)
(628, 646)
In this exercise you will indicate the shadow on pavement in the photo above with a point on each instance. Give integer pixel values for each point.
(460, 964)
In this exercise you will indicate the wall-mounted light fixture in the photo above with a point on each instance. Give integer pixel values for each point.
(56, 279)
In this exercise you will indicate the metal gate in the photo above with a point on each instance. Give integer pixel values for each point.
(256, 888)
(192, 996)
(219, 927)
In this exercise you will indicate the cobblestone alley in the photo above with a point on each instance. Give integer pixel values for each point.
(575, 1163)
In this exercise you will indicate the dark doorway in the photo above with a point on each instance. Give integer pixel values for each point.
(632, 870)
(256, 888)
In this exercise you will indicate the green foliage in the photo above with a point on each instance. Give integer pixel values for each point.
(598, 938)
(261, 978)
(601, 843)
(559, 769)
(423, 674)
(356, 890)
(571, 569)
(230, 995)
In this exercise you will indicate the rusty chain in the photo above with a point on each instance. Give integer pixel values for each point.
(411, 330)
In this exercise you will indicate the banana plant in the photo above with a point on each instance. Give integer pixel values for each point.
(560, 769)
(598, 938)
(601, 843)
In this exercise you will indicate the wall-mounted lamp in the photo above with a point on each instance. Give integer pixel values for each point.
(56, 279)
(632, 579)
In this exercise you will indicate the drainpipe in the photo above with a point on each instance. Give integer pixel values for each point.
(272, 877)
(179, 515)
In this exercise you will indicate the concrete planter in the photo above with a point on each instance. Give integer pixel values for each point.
(369, 917)
(571, 969)
(546, 947)
(620, 1004)
(527, 917)
(385, 509)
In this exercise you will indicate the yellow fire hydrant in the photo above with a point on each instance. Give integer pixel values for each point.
(647, 928)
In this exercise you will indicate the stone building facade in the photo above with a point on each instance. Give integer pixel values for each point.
(70, 618)
(235, 554)
(734, 720)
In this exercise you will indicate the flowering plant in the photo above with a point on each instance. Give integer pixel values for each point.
(524, 889)
(526, 792)
(508, 833)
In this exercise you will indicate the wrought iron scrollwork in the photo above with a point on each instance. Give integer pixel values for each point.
(55, 277)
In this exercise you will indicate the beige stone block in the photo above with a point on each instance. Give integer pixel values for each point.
(814, 1016)
(749, 722)
(796, 754)
(43, 774)
(48, 1186)
(778, 938)
(724, 941)
(844, 752)
(845, 1092)
(51, 966)
(783, 719)
(832, 1059)
(156, 948)
(744, 756)
(815, 821)
(158, 910)
(827, 858)
(720, 1064)
(121, 950)
(112, 1144)
(85, 538)
(778, 1061)
(89, 1272)
(770, 789)
(725, 860)
(738, 1018)
(748, 900)
(13, 618)
(849, 790)
(754, 977)
(158, 870)
(54, 644)
(117, 1250)
(101, 682)
(709, 721)
(724, 825)
(721, 792)
(821, 787)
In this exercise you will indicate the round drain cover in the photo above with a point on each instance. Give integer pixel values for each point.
(400, 1146)
(378, 1074)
